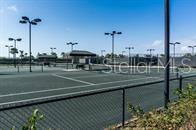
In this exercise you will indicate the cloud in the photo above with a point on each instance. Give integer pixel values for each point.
(12, 8)
(184, 49)
(186, 43)
(189, 42)
(157, 43)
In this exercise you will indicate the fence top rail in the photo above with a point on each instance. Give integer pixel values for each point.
(49, 99)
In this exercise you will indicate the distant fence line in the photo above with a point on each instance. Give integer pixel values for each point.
(179, 59)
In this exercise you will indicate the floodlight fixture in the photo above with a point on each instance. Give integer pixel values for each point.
(25, 20)
(72, 44)
(22, 22)
(113, 33)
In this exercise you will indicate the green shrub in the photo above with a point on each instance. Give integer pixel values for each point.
(31, 123)
(179, 114)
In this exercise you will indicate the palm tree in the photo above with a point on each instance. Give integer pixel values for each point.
(21, 55)
(63, 54)
(26, 54)
(14, 51)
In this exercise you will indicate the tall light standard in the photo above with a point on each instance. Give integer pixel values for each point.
(113, 33)
(123, 53)
(15, 40)
(150, 50)
(52, 48)
(8, 46)
(193, 49)
(102, 51)
(174, 44)
(167, 50)
(130, 61)
(26, 20)
(72, 44)
(102, 57)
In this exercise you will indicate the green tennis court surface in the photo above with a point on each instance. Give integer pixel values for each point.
(22, 86)
(56, 81)
(89, 112)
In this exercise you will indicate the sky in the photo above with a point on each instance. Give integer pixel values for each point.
(85, 21)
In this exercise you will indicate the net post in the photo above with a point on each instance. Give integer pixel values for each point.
(18, 70)
(42, 67)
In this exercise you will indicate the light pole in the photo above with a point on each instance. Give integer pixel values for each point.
(167, 50)
(102, 51)
(8, 46)
(130, 61)
(113, 33)
(52, 48)
(174, 44)
(21, 56)
(150, 50)
(72, 44)
(26, 20)
(123, 53)
(193, 49)
(102, 57)
(15, 40)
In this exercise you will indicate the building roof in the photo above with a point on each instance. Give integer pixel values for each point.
(47, 56)
(81, 53)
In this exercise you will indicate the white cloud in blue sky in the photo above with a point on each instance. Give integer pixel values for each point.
(157, 43)
(186, 43)
(12, 8)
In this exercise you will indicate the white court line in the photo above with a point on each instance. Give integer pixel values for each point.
(84, 86)
(101, 75)
(41, 98)
(76, 80)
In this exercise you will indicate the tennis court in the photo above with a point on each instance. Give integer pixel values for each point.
(23, 85)
(88, 112)
(54, 81)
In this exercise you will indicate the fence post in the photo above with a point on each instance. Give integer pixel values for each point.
(180, 83)
(123, 108)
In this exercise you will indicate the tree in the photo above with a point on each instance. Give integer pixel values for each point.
(21, 54)
(108, 55)
(63, 54)
(54, 54)
(38, 54)
(14, 51)
(188, 55)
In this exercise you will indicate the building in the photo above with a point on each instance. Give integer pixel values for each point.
(46, 59)
(80, 56)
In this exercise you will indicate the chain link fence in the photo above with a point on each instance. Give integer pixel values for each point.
(93, 109)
